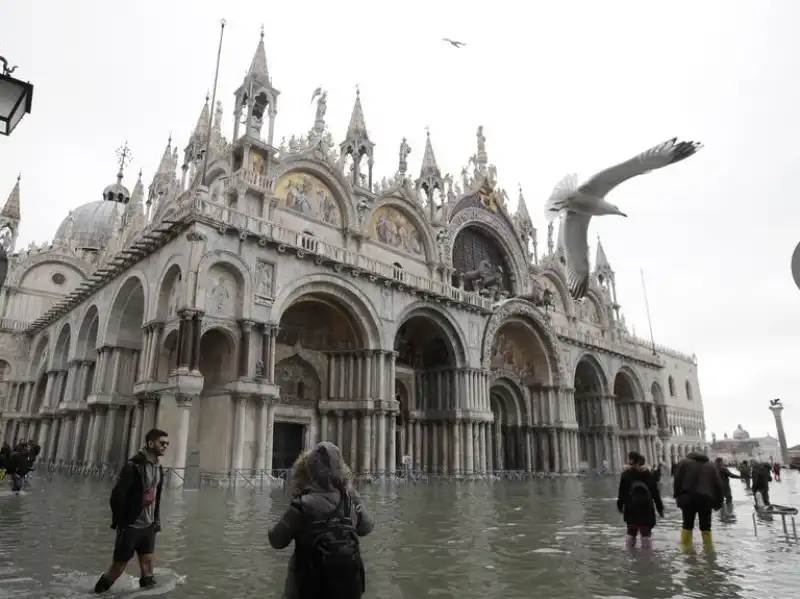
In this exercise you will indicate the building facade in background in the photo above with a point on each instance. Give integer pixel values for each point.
(288, 296)
(744, 447)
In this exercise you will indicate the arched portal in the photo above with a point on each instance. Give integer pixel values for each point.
(429, 350)
(518, 350)
(480, 262)
(217, 359)
(507, 446)
(590, 394)
(39, 393)
(320, 355)
(123, 345)
(629, 418)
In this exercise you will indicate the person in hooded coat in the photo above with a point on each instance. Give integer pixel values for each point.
(698, 490)
(320, 482)
(726, 476)
(638, 500)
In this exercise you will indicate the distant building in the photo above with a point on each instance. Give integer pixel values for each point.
(744, 447)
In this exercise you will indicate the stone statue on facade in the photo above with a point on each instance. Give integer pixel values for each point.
(321, 96)
(485, 279)
(405, 150)
(550, 246)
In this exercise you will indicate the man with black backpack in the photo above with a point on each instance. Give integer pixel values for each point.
(325, 519)
(638, 500)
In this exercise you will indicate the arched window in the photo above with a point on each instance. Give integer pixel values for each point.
(671, 382)
(397, 272)
(689, 391)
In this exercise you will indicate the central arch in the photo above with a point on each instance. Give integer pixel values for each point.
(429, 351)
(628, 396)
(322, 354)
(591, 391)
(507, 447)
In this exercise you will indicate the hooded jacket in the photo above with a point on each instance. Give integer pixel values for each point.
(318, 498)
(697, 481)
(127, 496)
(633, 514)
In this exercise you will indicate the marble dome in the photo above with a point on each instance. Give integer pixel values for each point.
(90, 225)
(740, 434)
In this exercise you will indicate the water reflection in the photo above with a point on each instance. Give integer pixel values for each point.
(544, 538)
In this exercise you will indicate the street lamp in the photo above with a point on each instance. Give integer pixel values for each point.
(15, 98)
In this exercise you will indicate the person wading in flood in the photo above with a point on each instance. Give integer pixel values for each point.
(726, 476)
(325, 519)
(135, 512)
(761, 480)
(698, 491)
(638, 500)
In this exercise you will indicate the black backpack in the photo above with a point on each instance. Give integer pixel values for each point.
(639, 494)
(328, 556)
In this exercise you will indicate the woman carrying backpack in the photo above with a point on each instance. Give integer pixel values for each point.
(638, 501)
(325, 519)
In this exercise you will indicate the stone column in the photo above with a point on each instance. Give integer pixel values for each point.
(368, 387)
(197, 334)
(777, 413)
(116, 353)
(87, 448)
(544, 450)
(323, 427)
(382, 445)
(483, 447)
(135, 439)
(261, 434)
(418, 465)
(339, 428)
(381, 391)
(270, 442)
(184, 405)
(366, 448)
(498, 445)
(152, 365)
(111, 426)
(97, 435)
(470, 448)
(44, 433)
(353, 418)
(239, 422)
(244, 349)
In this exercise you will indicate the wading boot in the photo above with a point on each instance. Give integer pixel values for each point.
(706, 534)
(102, 584)
(145, 582)
(647, 543)
(686, 538)
(630, 541)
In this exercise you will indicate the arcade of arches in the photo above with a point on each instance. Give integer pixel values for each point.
(313, 376)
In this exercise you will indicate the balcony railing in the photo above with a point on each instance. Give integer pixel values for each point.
(10, 324)
(303, 242)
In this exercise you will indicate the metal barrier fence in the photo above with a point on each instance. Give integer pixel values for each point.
(194, 477)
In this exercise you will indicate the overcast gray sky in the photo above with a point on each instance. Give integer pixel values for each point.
(558, 86)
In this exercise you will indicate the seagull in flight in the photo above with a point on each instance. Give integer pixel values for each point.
(579, 203)
(455, 43)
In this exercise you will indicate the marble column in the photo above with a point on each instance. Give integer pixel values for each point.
(366, 448)
(382, 444)
(469, 447)
(483, 447)
(270, 440)
(135, 439)
(239, 422)
(184, 405)
(244, 349)
(97, 435)
(87, 448)
(111, 429)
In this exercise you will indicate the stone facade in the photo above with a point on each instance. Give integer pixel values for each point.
(267, 296)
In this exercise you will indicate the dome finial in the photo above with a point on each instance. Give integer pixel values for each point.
(125, 156)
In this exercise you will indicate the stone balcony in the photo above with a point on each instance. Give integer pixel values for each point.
(268, 232)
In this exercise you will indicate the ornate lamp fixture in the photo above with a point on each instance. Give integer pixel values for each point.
(16, 98)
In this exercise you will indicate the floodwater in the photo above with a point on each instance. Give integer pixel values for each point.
(540, 538)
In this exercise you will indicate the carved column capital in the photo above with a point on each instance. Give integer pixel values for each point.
(184, 401)
(246, 325)
(267, 400)
(187, 314)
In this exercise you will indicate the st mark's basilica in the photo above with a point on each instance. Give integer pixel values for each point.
(289, 296)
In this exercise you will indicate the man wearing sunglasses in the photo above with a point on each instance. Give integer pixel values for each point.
(135, 502)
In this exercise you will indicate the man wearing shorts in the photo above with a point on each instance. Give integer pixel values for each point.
(135, 503)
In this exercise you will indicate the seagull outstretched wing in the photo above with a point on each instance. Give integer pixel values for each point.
(576, 250)
(455, 43)
(662, 155)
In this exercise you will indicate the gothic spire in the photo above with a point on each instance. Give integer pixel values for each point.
(429, 167)
(201, 129)
(522, 208)
(358, 126)
(166, 159)
(258, 66)
(600, 260)
(11, 208)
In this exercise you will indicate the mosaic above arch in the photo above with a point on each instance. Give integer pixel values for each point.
(392, 227)
(308, 195)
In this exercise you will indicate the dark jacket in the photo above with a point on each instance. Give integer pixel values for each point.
(19, 463)
(127, 496)
(761, 477)
(726, 476)
(633, 514)
(317, 500)
(697, 481)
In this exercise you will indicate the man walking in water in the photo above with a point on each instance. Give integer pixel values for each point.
(135, 512)
(698, 490)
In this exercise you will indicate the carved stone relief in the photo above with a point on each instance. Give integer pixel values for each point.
(265, 283)
(222, 292)
(474, 334)
(387, 305)
(174, 298)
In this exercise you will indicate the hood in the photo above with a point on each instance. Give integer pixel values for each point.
(325, 469)
(697, 456)
(141, 457)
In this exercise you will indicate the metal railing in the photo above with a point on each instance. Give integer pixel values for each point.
(194, 477)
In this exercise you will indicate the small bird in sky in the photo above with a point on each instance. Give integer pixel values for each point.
(454, 43)
(578, 203)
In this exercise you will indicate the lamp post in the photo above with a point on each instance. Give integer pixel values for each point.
(16, 98)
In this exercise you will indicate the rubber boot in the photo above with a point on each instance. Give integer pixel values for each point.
(145, 582)
(630, 541)
(706, 535)
(102, 584)
(647, 543)
(686, 537)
